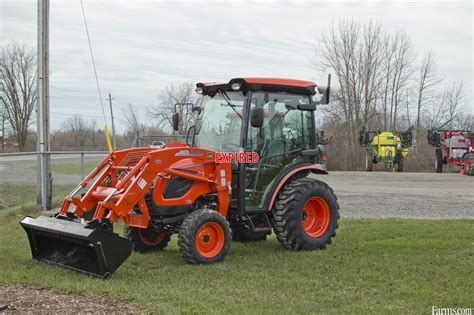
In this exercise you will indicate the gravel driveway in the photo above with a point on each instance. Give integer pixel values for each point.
(403, 195)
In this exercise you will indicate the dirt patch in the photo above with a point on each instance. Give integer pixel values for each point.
(32, 300)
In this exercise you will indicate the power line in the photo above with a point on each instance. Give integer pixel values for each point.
(72, 96)
(63, 89)
(93, 62)
(87, 116)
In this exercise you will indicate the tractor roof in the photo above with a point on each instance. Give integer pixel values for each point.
(261, 84)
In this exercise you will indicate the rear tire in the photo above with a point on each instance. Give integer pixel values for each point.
(369, 161)
(400, 164)
(145, 240)
(306, 215)
(438, 161)
(204, 237)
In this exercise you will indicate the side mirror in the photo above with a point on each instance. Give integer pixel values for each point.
(325, 91)
(307, 107)
(175, 121)
(256, 117)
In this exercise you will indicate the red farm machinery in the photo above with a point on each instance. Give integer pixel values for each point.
(180, 188)
(453, 147)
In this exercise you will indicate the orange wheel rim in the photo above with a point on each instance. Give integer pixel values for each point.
(151, 238)
(210, 239)
(316, 216)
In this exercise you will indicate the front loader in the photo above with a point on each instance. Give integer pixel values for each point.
(185, 188)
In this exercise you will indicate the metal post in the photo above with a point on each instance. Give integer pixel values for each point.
(82, 165)
(113, 123)
(44, 173)
(3, 131)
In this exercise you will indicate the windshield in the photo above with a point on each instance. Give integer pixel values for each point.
(219, 123)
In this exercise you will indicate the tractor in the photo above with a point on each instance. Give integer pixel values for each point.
(184, 188)
(453, 147)
(387, 147)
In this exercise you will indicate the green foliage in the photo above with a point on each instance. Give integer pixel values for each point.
(373, 266)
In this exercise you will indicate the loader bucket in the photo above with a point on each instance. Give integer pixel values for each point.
(92, 248)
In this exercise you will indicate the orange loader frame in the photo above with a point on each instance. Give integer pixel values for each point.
(125, 176)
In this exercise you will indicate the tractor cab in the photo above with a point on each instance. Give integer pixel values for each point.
(284, 139)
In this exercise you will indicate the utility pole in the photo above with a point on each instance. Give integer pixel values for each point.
(3, 131)
(113, 124)
(44, 173)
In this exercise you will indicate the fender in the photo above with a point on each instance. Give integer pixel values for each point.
(314, 168)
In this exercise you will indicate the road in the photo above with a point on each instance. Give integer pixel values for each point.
(360, 194)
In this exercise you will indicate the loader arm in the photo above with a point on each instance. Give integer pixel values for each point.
(115, 189)
(127, 175)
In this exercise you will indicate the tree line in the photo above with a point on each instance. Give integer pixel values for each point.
(383, 83)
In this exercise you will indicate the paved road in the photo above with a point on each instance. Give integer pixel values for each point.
(360, 194)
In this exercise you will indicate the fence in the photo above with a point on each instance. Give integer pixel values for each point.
(18, 174)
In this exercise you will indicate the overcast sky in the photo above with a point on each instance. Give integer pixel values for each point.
(142, 46)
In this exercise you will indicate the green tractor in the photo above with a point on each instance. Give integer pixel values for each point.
(387, 147)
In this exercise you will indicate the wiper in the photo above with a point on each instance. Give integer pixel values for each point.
(226, 97)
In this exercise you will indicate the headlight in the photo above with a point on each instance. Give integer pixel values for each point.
(199, 90)
(235, 86)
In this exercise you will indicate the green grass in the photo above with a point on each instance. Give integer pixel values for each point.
(72, 168)
(374, 266)
(16, 195)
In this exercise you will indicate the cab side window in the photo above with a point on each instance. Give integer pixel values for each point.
(285, 128)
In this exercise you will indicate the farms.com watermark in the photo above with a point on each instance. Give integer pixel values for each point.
(450, 311)
(237, 157)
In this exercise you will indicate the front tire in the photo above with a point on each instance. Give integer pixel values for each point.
(204, 237)
(306, 215)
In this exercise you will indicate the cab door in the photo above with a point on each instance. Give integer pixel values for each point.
(286, 131)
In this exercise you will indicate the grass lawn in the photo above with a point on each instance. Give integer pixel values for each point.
(16, 195)
(374, 266)
(73, 168)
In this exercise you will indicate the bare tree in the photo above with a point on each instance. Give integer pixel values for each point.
(464, 121)
(445, 111)
(3, 119)
(427, 80)
(131, 117)
(354, 52)
(78, 129)
(170, 96)
(18, 88)
(93, 130)
(403, 59)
